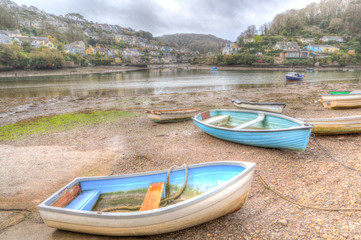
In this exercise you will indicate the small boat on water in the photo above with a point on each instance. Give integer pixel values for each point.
(338, 100)
(256, 128)
(276, 107)
(309, 69)
(291, 76)
(90, 204)
(214, 68)
(172, 115)
(337, 125)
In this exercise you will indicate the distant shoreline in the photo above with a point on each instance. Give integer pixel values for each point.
(113, 69)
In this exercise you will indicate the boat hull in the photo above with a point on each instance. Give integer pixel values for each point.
(339, 101)
(292, 78)
(294, 138)
(262, 106)
(221, 201)
(177, 115)
(334, 126)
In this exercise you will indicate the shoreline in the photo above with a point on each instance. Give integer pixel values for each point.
(35, 167)
(115, 69)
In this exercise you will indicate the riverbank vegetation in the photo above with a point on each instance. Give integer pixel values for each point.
(46, 124)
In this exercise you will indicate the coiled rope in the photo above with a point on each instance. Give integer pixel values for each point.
(163, 202)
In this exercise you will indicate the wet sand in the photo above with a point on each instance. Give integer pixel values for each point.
(33, 168)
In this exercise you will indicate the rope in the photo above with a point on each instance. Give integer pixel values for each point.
(302, 205)
(167, 185)
(164, 201)
(14, 210)
(329, 154)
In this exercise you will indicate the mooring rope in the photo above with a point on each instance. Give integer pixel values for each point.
(14, 210)
(312, 207)
(329, 154)
(302, 205)
(164, 201)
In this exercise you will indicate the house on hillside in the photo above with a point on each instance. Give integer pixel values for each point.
(37, 42)
(100, 51)
(248, 39)
(307, 40)
(90, 50)
(322, 48)
(76, 47)
(11, 34)
(331, 38)
(230, 48)
(297, 54)
(91, 34)
(286, 46)
(351, 52)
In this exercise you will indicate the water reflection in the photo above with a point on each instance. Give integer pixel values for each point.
(157, 81)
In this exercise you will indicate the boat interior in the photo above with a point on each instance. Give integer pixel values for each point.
(246, 120)
(142, 193)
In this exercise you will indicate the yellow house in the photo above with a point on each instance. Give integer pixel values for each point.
(49, 44)
(89, 50)
(351, 52)
(327, 48)
(117, 60)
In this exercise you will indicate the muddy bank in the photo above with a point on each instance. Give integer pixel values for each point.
(69, 71)
(113, 69)
(34, 167)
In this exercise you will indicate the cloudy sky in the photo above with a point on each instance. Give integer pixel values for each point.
(222, 18)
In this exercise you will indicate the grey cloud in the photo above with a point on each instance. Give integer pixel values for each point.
(222, 18)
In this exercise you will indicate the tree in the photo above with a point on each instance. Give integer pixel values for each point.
(75, 16)
(11, 55)
(74, 33)
(7, 19)
(26, 46)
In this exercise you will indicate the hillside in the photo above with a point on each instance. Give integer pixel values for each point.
(195, 42)
(333, 17)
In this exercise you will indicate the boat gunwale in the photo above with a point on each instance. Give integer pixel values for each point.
(331, 120)
(249, 167)
(172, 111)
(343, 96)
(236, 101)
(303, 125)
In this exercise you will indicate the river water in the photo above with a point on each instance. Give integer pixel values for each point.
(157, 82)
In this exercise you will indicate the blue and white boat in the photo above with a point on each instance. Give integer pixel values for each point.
(256, 128)
(291, 76)
(198, 193)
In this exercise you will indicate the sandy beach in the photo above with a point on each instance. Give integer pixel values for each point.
(33, 168)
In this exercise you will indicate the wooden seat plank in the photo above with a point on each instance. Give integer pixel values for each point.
(153, 196)
(261, 117)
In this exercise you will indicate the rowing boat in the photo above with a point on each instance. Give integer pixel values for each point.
(204, 192)
(172, 115)
(256, 128)
(342, 100)
(338, 125)
(276, 107)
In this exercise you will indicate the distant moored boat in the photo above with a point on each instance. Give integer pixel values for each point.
(294, 76)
